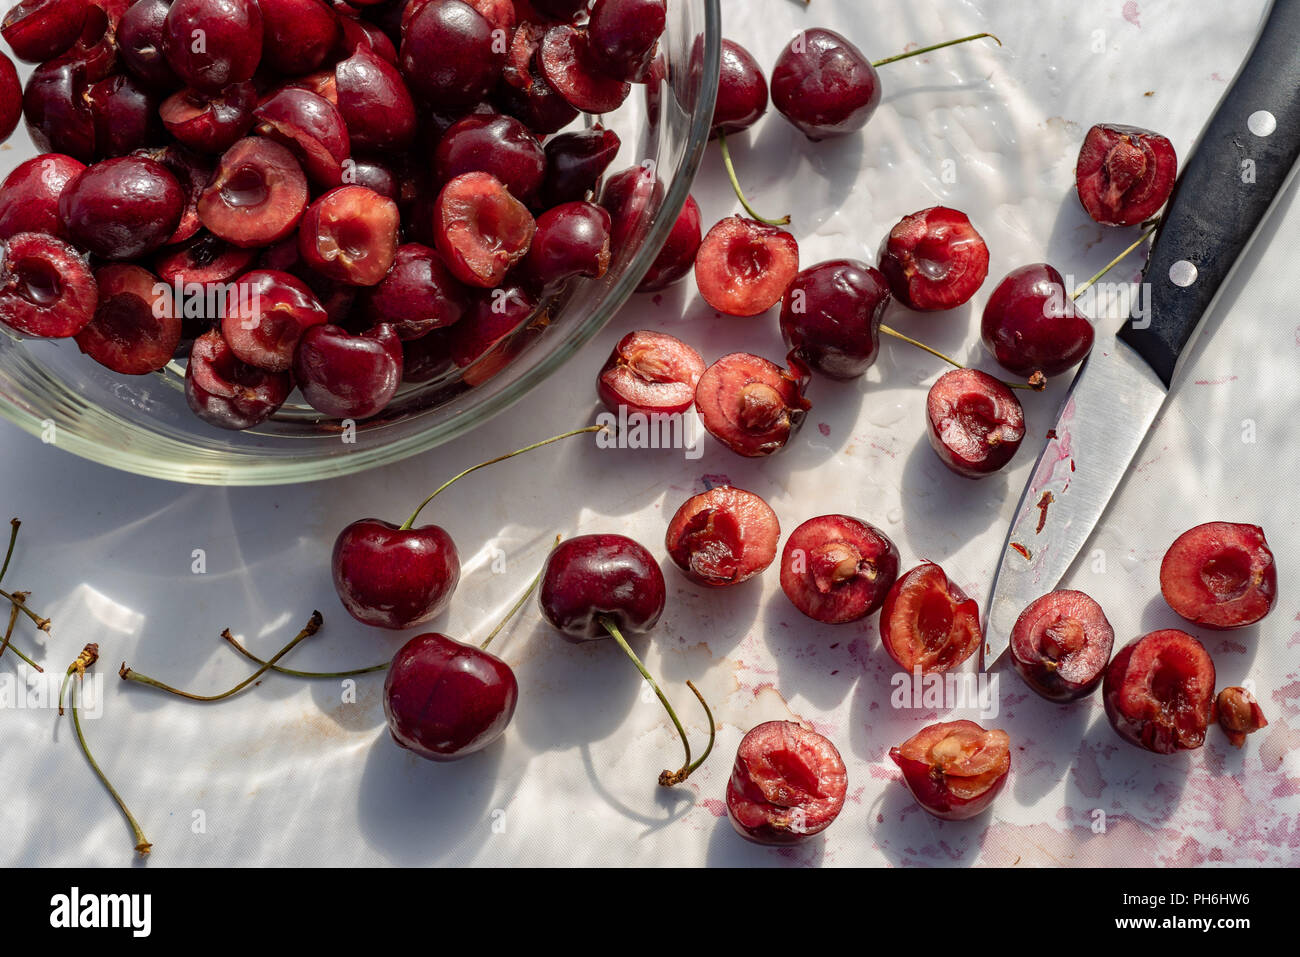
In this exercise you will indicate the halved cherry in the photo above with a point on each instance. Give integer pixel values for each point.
(1061, 645)
(954, 769)
(210, 122)
(928, 622)
(1220, 575)
(136, 328)
(976, 423)
(46, 288)
(934, 259)
(203, 259)
(228, 393)
(743, 267)
(1159, 691)
(723, 536)
(1124, 173)
(1238, 714)
(836, 568)
(311, 127)
(270, 314)
(650, 373)
(572, 68)
(788, 783)
(350, 234)
(257, 196)
(751, 405)
(480, 229)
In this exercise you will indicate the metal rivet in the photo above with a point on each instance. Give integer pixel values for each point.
(1261, 123)
(1182, 273)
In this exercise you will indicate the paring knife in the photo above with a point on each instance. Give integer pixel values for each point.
(1238, 169)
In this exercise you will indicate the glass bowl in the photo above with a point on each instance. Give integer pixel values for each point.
(142, 424)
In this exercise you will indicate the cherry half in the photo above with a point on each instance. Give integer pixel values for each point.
(723, 536)
(1159, 692)
(394, 576)
(788, 783)
(934, 259)
(1124, 173)
(954, 769)
(743, 266)
(1220, 575)
(751, 405)
(599, 586)
(1061, 644)
(927, 622)
(975, 422)
(651, 373)
(836, 568)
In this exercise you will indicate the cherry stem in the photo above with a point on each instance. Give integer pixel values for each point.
(1037, 382)
(500, 458)
(666, 778)
(293, 673)
(9, 631)
(1115, 262)
(9, 553)
(937, 46)
(310, 629)
(740, 193)
(89, 655)
(42, 623)
(532, 587)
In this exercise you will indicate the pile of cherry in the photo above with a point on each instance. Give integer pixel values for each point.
(370, 177)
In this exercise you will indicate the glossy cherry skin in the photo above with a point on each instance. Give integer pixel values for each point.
(831, 316)
(40, 30)
(571, 240)
(575, 162)
(445, 700)
(232, 47)
(122, 208)
(297, 35)
(11, 98)
(140, 37)
(1031, 324)
(742, 91)
(677, 257)
(29, 196)
(592, 577)
(824, 85)
(496, 144)
(346, 376)
(449, 54)
(625, 34)
(391, 577)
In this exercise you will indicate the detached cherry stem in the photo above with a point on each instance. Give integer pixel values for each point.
(666, 778)
(89, 655)
(740, 193)
(42, 623)
(310, 629)
(14, 609)
(1114, 262)
(936, 46)
(410, 522)
(1037, 382)
(14, 525)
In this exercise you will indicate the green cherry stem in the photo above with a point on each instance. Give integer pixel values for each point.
(666, 778)
(9, 552)
(514, 609)
(1037, 382)
(293, 673)
(89, 655)
(740, 193)
(310, 629)
(937, 46)
(1114, 262)
(500, 458)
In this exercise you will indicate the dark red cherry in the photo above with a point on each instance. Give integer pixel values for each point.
(122, 208)
(449, 54)
(575, 162)
(592, 577)
(1124, 173)
(1031, 324)
(346, 376)
(29, 196)
(824, 85)
(495, 144)
(625, 34)
(677, 257)
(742, 91)
(393, 577)
(40, 30)
(831, 316)
(211, 44)
(228, 393)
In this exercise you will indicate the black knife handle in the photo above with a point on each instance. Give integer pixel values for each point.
(1238, 169)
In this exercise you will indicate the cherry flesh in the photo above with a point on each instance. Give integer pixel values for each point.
(743, 267)
(954, 769)
(788, 784)
(677, 257)
(392, 577)
(257, 195)
(230, 394)
(46, 288)
(136, 329)
(481, 230)
(1220, 575)
(831, 315)
(650, 374)
(835, 568)
(1238, 714)
(723, 536)
(272, 313)
(824, 85)
(573, 70)
(975, 422)
(524, 92)
(122, 208)
(495, 144)
(350, 235)
(742, 91)
(934, 259)
(210, 122)
(1061, 644)
(751, 405)
(418, 295)
(1031, 324)
(29, 196)
(928, 622)
(346, 376)
(1124, 173)
(1159, 692)
(445, 700)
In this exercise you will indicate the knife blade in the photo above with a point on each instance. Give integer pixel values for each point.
(1237, 171)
